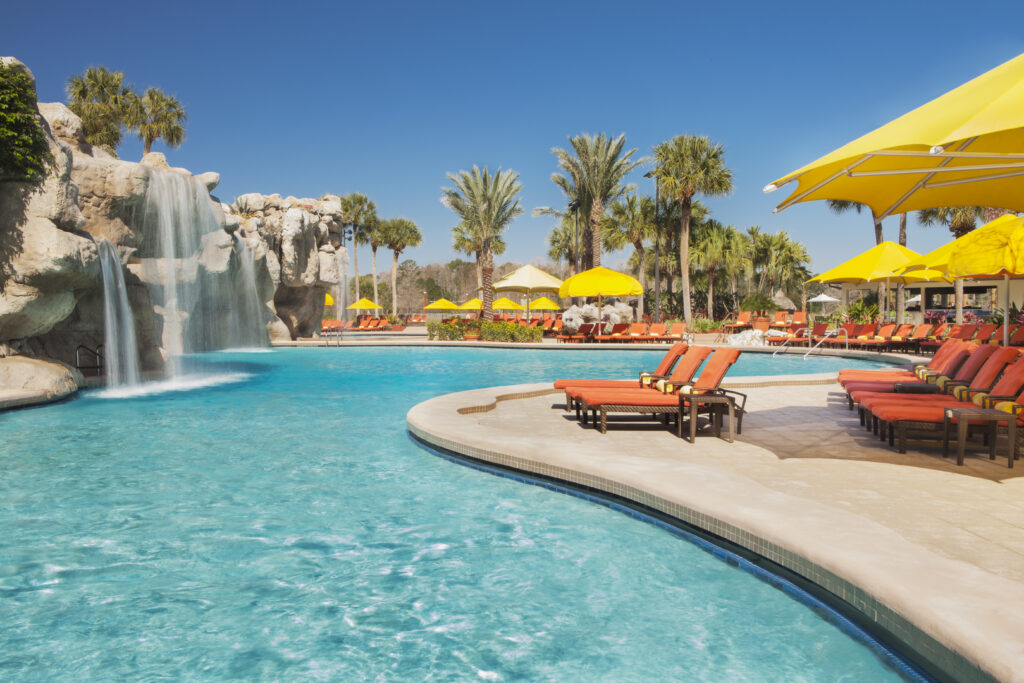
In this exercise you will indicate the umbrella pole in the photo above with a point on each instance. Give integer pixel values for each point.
(1006, 309)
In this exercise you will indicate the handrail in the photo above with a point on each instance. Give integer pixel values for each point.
(96, 354)
(788, 339)
(831, 333)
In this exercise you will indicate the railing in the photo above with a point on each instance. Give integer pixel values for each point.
(832, 333)
(789, 339)
(97, 358)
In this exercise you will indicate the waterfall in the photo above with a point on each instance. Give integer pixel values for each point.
(249, 312)
(188, 260)
(120, 352)
(341, 291)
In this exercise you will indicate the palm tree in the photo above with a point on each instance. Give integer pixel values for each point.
(960, 220)
(160, 116)
(485, 205)
(464, 241)
(104, 103)
(398, 234)
(375, 239)
(631, 222)
(711, 254)
(689, 165)
(738, 261)
(357, 211)
(597, 166)
(562, 243)
(842, 206)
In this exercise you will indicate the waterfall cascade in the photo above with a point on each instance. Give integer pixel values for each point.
(341, 291)
(120, 350)
(187, 265)
(248, 323)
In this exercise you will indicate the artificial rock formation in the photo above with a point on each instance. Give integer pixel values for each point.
(301, 239)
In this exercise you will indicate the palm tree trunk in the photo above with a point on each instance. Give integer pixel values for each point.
(711, 294)
(596, 213)
(394, 283)
(148, 146)
(641, 256)
(373, 259)
(487, 269)
(684, 259)
(355, 260)
(479, 274)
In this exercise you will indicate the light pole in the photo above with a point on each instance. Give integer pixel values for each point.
(657, 247)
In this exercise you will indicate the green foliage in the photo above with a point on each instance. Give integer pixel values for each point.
(701, 325)
(105, 103)
(24, 152)
(861, 312)
(758, 301)
(157, 116)
(488, 331)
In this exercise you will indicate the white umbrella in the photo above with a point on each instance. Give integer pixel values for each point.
(916, 299)
(822, 299)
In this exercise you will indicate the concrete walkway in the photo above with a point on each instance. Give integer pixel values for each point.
(931, 552)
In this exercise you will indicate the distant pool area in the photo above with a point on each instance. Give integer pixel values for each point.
(284, 525)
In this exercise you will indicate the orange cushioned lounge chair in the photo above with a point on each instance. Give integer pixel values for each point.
(954, 365)
(742, 323)
(652, 401)
(936, 363)
(661, 372)
(930, 417)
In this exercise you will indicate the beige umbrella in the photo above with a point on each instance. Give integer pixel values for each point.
(528, 280)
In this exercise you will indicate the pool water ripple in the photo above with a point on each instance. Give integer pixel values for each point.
(285, 527)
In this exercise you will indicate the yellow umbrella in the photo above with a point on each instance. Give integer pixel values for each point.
(995, 250)
(543, 304)
(328, 300)
(441, 305)
(600, 282)
(472, 305)
(965, 148)
(504, 304)
(363, 304)
(528, 279)
(880, 262)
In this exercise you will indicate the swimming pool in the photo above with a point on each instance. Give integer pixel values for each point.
(286, 527)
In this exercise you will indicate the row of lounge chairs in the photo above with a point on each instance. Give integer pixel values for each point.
(671, 390)
(627, 333)
(782, 320)
(908, 338)
(967, 385)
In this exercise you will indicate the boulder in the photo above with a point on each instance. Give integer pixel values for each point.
(24, 381)
(210, 179)
(155, 160)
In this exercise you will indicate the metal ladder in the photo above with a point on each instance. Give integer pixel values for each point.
(788, 339)
(97, 358)
(833, 333)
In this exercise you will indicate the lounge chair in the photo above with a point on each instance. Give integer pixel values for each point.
(675, 333)
(986, 333)
(655, 333)
(663, 371)
(1017, 338)
(652, 401)
(800, 318)
(934, 366)
(582, 334)
(742, 323)
(898, 419)
(781, 320)
(636, 332)
(617, 331)
(874, 339)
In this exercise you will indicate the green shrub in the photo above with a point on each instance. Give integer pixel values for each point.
(509, 332)
(758, 302)
(700, 325)
(24, 151)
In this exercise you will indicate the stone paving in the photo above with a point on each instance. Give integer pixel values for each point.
(939, 546)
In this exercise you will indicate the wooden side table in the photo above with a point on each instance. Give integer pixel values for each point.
(965, 416)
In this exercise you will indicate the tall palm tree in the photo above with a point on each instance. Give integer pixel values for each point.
(485, 205)
(357, 210)
(465, 241)
(374, 237)
(711, 254)
(739, 262)
(960, 220)
(596, 165)
(689, 165)
(104, 102)
(562, 243)
(398, 234)
(160, 117)
(631, 222)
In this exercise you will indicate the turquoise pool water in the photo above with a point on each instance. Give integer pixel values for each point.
(285, 527)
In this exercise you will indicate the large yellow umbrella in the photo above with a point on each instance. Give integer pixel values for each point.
(472, 305)
(504, 304)
(441, 305)
(543, 304)
(328, 299)
(363, 304)
(995, 250)
(965, 148)
(880, 262)
(600, 282)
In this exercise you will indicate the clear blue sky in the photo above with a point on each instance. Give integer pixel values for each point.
(385, 98)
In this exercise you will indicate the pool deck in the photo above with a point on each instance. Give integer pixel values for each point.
(928, 551)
